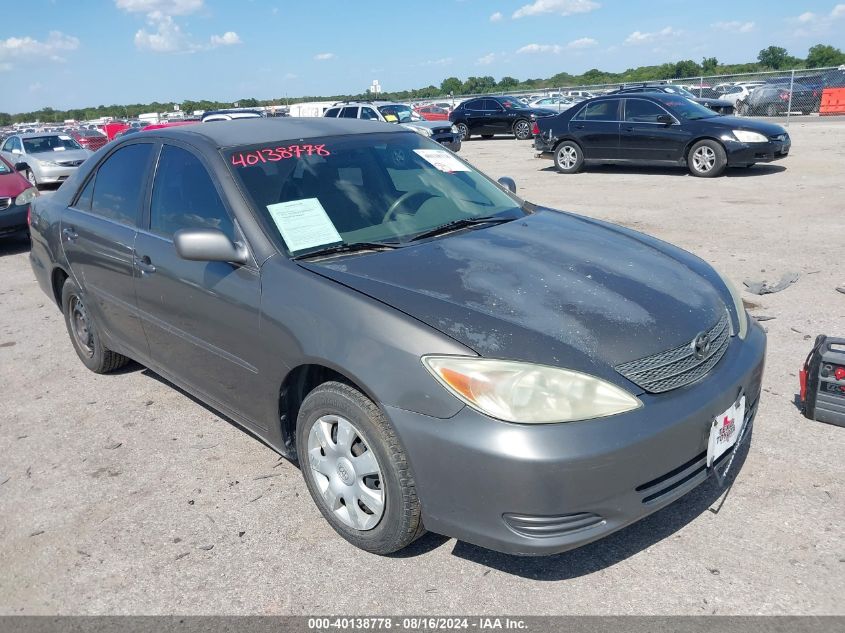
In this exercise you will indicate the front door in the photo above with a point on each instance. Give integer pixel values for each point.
(645, 138)
(201, 318)
(98, 236)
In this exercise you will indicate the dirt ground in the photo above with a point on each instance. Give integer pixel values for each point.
(119, 494)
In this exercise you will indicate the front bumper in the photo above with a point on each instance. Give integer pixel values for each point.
(740, 154)
(13, 219)
(449, 141)
(53, 173)
(543, 489)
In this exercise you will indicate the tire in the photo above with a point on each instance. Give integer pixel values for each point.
(30, 176)
(486, 136)
(336, 426)
(569, 157)
(463, 130)
(707, 159)
(83, 333)
(771, 110)
(522, 130)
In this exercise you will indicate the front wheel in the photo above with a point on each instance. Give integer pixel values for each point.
(568, 157)
(463, 130)
(356, 470)
(707, 159)
(522, 130)
(771, 110)
(30, 176)
(84, 334)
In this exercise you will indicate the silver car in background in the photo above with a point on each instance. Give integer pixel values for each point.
(44, 158)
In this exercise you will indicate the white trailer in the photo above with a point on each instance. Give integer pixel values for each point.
(312, 109)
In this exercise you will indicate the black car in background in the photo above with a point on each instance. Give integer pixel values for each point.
(722, 106)
(488, 116)
(774, 100)
(656, 128)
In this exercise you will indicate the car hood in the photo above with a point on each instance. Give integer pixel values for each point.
(541, 112)
(12, 185)
(722, 103)
(550, 288)
(432, 125)
(68, 154)
(744, 123)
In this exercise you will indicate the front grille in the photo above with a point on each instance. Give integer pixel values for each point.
(5, 203)
(550, 526)
(679, 366)
(778, 137)
(70, 163)
(442, 130)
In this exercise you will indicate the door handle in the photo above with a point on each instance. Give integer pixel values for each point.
(145, 265)
(579, 127)
(70, 234)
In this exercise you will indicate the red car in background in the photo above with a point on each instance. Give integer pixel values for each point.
(16, 194)
(432, 113)
(89, 139)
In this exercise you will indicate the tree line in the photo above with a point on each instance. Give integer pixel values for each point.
(770, 58)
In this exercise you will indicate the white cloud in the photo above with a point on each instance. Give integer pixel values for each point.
(290, 76)
(540, 48)
(638, 37)
(582, 42)
(163, 7)
(496, 17)
(166, 38)
(29, 48)
(486, 60)
(560, 7)
(734, 26)
(321, 57)
(838, 11)
(443, 61)
(809, 16)
(229, 38)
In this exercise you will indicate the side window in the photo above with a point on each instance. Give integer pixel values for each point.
(7, 146)
(602, 110)
(332, 112)
(475, 104)
(84, 200)
(641, 111)
(119, 186)
(184, 196)
(491, 105)
(369, 114)
(349, 112)
(17, 144)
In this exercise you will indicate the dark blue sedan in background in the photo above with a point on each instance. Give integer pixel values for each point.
(656, 128)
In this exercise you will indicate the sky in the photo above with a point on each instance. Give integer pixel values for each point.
(76, 53)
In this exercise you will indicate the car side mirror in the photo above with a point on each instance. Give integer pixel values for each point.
(208, 245)
(666, 119)
(21, 167)
(508, 183)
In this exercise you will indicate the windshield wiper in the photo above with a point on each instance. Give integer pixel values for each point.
(454, 225)
(349, 248)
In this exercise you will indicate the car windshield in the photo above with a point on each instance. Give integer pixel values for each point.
(56, 143)
(512, 104)
(688, 110)
(363, 188)
(399, 114)
(678, 90)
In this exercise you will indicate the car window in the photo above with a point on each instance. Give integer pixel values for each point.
(475, 104)
(601, 111)
(369, 114)
(332, 112)
(491, 105)
(184, 196)
(119, 186)
(84, 200)
(4, 169)
(8, 145)
(349, 112)
(642, 111)
(53, 143)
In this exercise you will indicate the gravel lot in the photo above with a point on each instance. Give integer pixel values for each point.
(120, 494)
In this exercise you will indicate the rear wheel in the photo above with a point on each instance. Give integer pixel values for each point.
(84, 335)
(569, 157)
(356, 470)
(707, 159)
(522, 130)
(463, 130)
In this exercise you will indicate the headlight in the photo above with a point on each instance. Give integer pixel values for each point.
(527, 393)
(26, 196)
(745, 136)
(455, 129)
(739, 307)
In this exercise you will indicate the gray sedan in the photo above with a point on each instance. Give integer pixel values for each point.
(436, 353)
(44, 158)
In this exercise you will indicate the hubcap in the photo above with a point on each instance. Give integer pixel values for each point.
(463, 130)
(30, 177)
(346, 472)
(523, 129)
(704, 159)
(80, 326)
(567, 157)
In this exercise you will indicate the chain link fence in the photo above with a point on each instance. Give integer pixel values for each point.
(773, 94)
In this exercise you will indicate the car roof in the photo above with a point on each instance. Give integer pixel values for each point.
(257, 131)
(26, 135)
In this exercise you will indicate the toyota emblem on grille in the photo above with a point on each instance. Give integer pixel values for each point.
(701, 345)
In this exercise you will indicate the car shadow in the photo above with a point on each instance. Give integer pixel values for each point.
(620, 545)
(14, 244)
(650, 170)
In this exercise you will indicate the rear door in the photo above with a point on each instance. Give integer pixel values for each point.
(98, 235)
(475, 116)
(644, 138)
(596, 127)
(201, 318)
